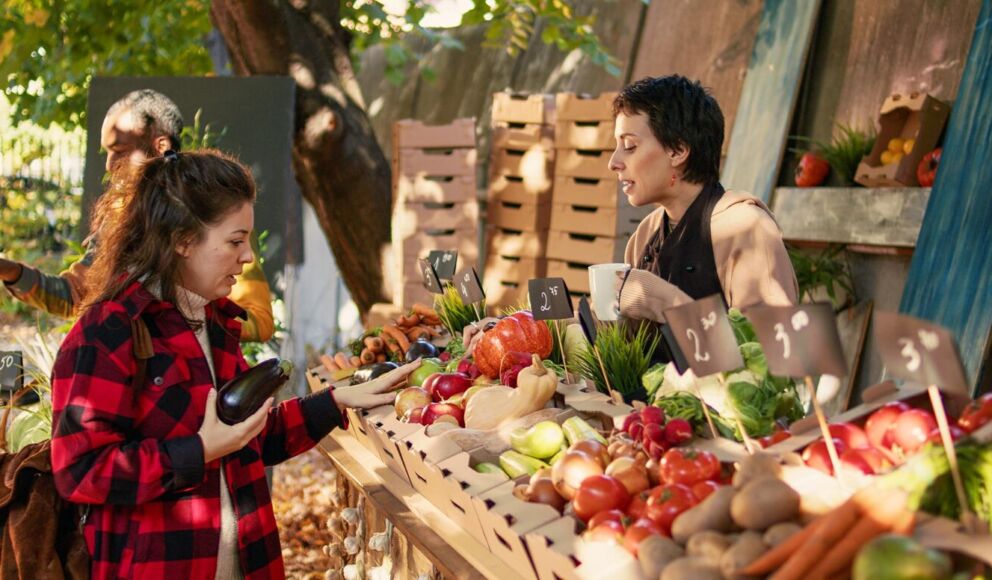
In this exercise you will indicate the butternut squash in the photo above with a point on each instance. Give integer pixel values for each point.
(494, 406)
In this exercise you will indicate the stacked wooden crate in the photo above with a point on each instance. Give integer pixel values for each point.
(519, 195)
(435, 204)
(591, 218)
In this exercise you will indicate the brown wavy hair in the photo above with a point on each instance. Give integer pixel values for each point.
(151, 209)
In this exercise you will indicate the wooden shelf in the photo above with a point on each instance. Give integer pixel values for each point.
(883, 220)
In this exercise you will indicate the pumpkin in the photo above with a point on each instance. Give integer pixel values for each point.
(518, 332)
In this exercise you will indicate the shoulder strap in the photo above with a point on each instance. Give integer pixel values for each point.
(141, 341)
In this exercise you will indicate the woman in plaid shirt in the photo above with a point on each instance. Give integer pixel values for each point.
(171, 490)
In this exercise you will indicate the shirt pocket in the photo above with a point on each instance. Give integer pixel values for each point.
(164, 370)
(165, 399)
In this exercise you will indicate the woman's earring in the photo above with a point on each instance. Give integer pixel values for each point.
(672, 184)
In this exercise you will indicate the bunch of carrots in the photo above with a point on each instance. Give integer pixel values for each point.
(392, 341)
(826, 548)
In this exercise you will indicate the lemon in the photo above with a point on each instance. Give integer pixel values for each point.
(896, 157)
(907, 147)
(886, 157)
(896, 144)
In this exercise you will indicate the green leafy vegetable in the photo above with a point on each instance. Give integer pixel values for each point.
(626, 357)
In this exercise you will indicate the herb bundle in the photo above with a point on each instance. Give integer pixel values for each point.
(626, 357)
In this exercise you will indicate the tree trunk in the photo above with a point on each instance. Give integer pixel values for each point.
(337, 161)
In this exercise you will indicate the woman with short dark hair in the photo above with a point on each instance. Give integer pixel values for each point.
(702, 240)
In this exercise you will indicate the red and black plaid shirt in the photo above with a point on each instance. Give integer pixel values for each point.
(132, 451)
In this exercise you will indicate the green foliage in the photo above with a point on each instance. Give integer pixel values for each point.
(455, 315)
(826, 269)
(626, 356)
(202, 136)
(845, 151)
(50, 51)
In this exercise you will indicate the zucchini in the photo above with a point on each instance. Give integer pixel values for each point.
(245, 393)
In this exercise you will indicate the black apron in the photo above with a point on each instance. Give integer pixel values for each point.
(684, 257)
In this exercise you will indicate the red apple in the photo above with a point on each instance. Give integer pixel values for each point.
(817, 456)
(869, 458)
(956, 433)
(415, 415)
(852, 435)
(911, 429)
(443, 386)
(410, 398)
(436, 410)
(879, 422)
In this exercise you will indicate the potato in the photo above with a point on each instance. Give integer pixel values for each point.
(708, 545)
(747, 549)
(691, 568)
(761, 464)
(778, 533)
(712, 514)
(764, 502)
(656, 552)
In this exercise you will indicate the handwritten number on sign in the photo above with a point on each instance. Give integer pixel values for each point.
(545, 304)
(783, 337)
(700, 357)
(911, 355)
(6, 362)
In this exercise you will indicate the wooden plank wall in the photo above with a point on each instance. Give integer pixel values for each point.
(708, 40)
(950, 279)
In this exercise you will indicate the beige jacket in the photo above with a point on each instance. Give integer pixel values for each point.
(751, 261)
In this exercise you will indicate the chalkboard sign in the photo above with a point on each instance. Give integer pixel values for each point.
(11, 370)
(920, 351)
(672, 346)
(586, 320)
(799, 341)
(549, 299)
(444, 262)
(704, 335)
(469, 287)
(431, 280)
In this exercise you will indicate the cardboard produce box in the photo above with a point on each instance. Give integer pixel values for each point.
(572, 247)
(360, 423)
(583, 163)
(528, 217)
(421, 187)
(585, 135)
(384, 432)
(505, 293)
(421, 243)
(523, 136)
(435, 162)
(421, 454)
(615, 222)
(558, 553)
(409, 133)
(916, 116)
(523, 108)
(585, 107)
(517, 243)
(596, 192)
(411, 291)
(505, 520)
(499, 267)
(576, 275)
(518, 190)
(460, 483)
(534, 165)
(411, 217)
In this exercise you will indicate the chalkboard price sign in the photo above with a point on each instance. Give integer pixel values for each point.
(920, 351)
(11, 370)
(799, 341)
(549, 299)
(431, 280)
(704, 335)
(444, 262)
(469, 286)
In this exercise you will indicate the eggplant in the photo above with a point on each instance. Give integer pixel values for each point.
(419, 349)
(366, 373)
(245, 393)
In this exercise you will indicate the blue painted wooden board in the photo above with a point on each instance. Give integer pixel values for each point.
(771, 86)
(950, 278)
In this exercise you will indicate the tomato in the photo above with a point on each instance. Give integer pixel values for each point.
(667, 502)
(599, 493)
(866, 460)
(879, 422)
(609, 516)
(701, 489)
(609, 531)
(926, 171)
(977, 413)
(812, 170)
(769, 440)
(956, 433)
(911, 429)
(852, 435)
(817, 456)
(687, 466)
(638, 506)
(642, 528)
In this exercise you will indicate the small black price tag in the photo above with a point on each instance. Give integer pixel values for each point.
(704, 335)
(469, 287)
(799, 341)
(586, 320)
(431, 281)
(675, 353)
(444, 262)
(11, 370)
(549, 299)
(920, 351)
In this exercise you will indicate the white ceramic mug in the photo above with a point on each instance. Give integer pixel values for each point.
(603, 287)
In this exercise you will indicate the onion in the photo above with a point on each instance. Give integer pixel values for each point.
(543, 491)
(592, 448)
(631, 474)
(571, 470)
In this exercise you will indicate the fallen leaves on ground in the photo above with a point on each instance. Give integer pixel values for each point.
(302, 490)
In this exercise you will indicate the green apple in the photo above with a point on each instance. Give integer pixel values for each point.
(428, 367)
(542, 440)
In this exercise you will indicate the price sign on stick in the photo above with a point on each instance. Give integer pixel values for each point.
(799, 341)
(469, 287)
(11, 370)
(587, 321)
(444, 262)
(549, 299)
(675, 353)
(431, 281)
(704, 335)
(919, 351)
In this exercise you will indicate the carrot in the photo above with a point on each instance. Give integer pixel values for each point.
(391, 345)
(329, 363)
(398, 336)
(411, 320)
(432, 331)
(374, 343)
(423, 310)
(367, 357)
(431, 320)
(417, 332)
(380, 357)
(842, 554)
(833, 527)
(355, 361)
(342, 360)
(772, 559)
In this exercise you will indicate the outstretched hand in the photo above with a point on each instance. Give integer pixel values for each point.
(376, 392)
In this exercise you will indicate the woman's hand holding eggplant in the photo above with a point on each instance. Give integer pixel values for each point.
(220, 439)
(375, 393)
